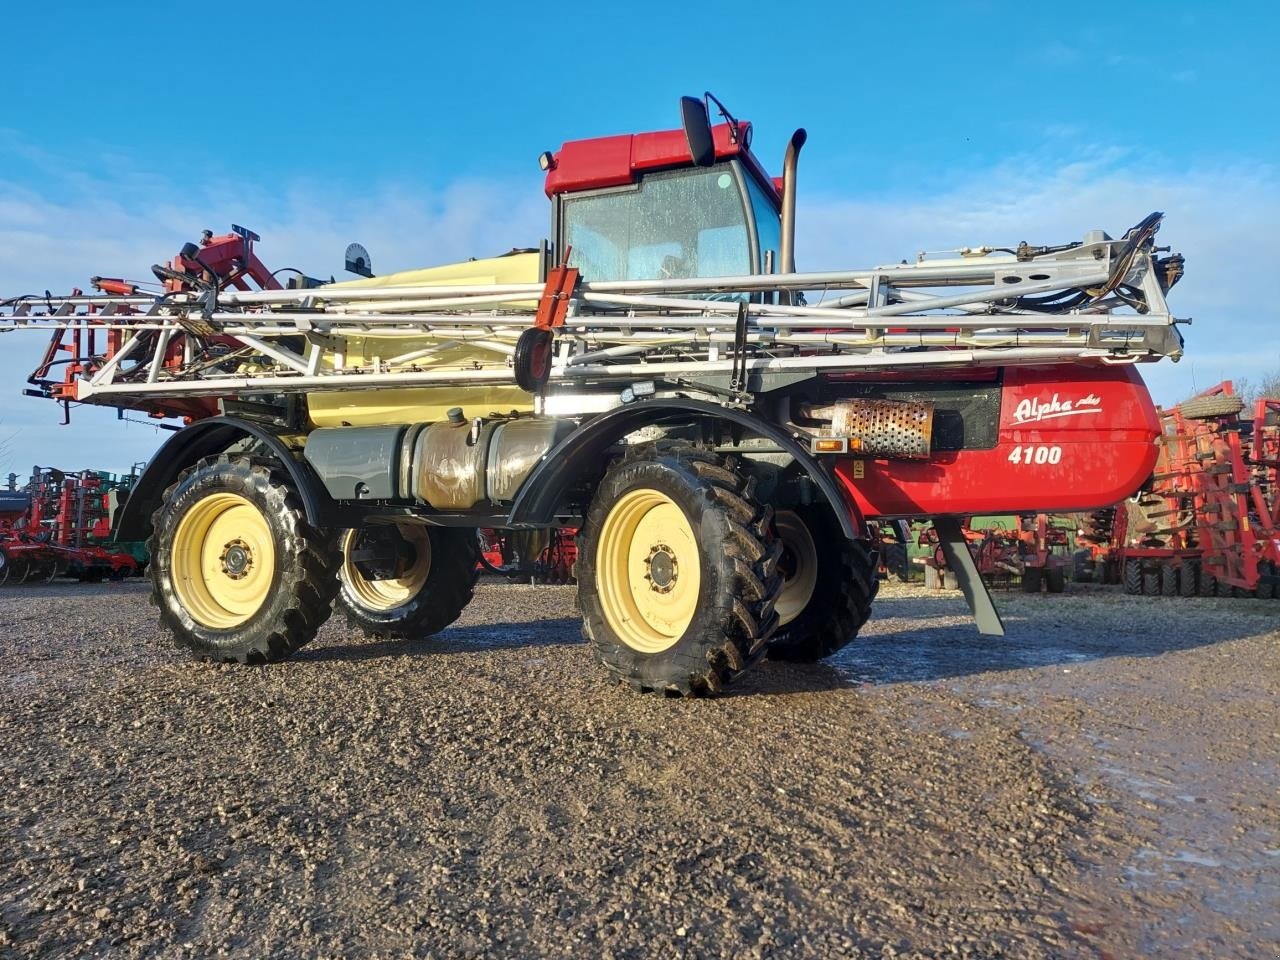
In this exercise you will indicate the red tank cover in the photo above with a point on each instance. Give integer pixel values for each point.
(1070, 437)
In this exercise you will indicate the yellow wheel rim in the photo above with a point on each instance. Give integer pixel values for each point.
(649, 571)
(224, 561)
(799, 566)
(389, 594)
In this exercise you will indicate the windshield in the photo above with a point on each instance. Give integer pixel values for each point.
(686, 223)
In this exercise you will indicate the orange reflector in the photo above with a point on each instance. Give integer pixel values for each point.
(830, 445)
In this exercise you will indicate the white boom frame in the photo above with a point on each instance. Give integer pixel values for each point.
(931, 313)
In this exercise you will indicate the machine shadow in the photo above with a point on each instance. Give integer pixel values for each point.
(905, 654)
(467, 638)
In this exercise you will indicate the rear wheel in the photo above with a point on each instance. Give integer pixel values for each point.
(1133, 576)
(1189, 578)
(1151, 582)
(828, 583)
(677, 570)
(1168, 580)
(406, 580)
(236, 570)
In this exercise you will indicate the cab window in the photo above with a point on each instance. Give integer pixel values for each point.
(686, 223)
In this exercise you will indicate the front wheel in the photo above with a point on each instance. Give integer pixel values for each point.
(406, 580)
(828, 585)
(677, 571)
(237, 571)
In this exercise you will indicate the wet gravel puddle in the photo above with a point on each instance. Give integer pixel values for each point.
(1164, 713)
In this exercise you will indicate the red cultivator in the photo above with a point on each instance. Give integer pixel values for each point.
(1035, 552)
(60, 524)
(530, 555)
(1209, 524)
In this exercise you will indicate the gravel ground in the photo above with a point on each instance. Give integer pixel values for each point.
(1101, 783)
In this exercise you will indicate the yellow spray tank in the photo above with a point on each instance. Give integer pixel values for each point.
(425, 404)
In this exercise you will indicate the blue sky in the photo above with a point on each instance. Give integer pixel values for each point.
(415, 129)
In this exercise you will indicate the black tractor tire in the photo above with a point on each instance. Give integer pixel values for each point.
(1168, 580)
(1111, 571)
(1082, 567)
(896, 561)
(6, 567)
(1151, 582)
(663, 512)
(1055, 579)
(1209, 408)
(1208, 584)
(1189, 578)
(251, 501)
(1032, 579)
(422, 602)
(844, 585)
(1266, 589)
(1133, 577)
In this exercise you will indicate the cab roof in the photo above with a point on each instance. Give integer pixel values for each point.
(620, 160)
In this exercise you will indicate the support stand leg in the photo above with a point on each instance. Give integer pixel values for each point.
(960, 560)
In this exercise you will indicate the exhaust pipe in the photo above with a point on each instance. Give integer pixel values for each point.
(788, 243)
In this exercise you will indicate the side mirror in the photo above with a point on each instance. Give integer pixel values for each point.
(697, 131)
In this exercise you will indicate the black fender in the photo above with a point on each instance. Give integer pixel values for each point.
(208, 438)
(555, 474)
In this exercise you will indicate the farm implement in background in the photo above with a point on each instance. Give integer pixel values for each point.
(1208, 522)
(60, 524)
(531, 556)
(1032, 549)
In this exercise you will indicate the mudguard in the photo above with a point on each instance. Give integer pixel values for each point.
(583, 450)
(207, 438)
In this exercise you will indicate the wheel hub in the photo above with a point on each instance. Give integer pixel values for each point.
(223, 558)
(648, 570)
(386, 566)
(662, 569)
(236, 559)
(798, 565)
